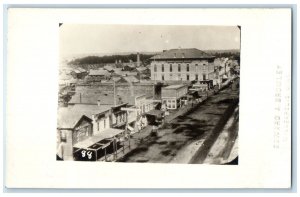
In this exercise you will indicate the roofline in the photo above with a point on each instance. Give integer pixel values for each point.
(83, 116)
(113, 107)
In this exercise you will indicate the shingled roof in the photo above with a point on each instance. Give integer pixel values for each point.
(69, 116)
(192, 53)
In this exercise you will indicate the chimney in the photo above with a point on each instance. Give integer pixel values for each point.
(138, 60)
(98, 102)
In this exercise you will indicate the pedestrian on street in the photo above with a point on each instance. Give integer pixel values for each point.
(61, 150)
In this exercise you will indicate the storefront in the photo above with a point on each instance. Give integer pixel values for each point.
(209, 83)
(171, 95)
(119, 117)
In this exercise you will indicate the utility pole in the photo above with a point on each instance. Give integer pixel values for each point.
(114, 93)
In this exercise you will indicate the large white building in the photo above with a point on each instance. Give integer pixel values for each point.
(182, 64)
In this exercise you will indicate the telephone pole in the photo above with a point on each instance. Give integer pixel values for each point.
(114, 93)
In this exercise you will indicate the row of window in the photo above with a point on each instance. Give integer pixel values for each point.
(171, 104)
(144, 108)
(119, 118)
(178, 68)
(187, 77)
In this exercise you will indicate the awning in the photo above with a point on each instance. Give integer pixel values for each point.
(108, 133)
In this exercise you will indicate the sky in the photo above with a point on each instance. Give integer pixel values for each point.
(114, 39)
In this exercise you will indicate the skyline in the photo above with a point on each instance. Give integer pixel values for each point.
(118, 39)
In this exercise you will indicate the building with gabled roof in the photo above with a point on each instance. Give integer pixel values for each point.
(98, 75)
(77, 123)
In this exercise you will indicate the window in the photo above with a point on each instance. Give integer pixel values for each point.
(179, 68)
(169, 104)
(104, 123)
(155, 68)
(173, 104)
(162, 77)
(179, 76)
(187, 77)
(171, 69)
(162, 68)
(187, 67)
(87, 131)
(196, 77)
(204, 77)
(196, 67)
(98, 126)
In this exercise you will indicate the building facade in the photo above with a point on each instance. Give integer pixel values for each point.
(72, 132)
(118, 116)
(101, 122)
(171, 96)
(182, 64)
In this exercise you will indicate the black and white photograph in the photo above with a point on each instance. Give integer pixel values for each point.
(148, 93)
(150, 99)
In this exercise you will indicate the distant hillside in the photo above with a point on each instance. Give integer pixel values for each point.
(110, 59)
(100, 60)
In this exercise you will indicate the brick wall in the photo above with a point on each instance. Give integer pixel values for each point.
(125, 91)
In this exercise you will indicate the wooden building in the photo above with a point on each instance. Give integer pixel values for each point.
(171, 95)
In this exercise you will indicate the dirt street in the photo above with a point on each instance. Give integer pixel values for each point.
(201, 126)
